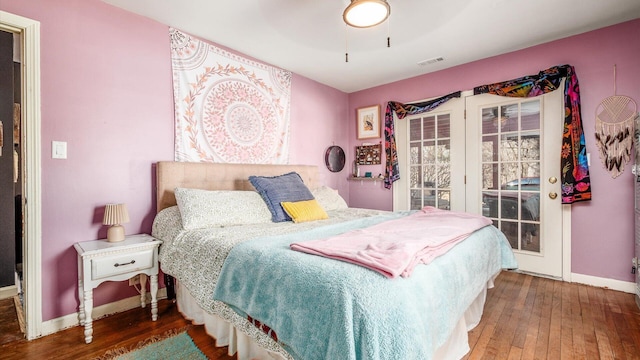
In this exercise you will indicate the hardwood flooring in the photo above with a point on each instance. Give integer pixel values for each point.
(525, 317)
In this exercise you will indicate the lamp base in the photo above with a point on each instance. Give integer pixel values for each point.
(115, 233)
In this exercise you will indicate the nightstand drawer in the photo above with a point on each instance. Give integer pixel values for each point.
(121, 264)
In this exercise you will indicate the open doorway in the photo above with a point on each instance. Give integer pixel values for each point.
(28, 32)
(11, 205)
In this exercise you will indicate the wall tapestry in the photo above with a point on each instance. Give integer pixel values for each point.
(228, 109)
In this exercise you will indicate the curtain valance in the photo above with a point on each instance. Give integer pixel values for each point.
(575, 181)
(574, 169)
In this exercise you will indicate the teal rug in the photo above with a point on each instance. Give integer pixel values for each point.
(178, 346)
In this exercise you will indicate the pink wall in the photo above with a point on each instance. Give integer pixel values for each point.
(602, 229)
(106, 91)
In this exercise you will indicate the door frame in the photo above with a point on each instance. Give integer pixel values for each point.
(30, 124)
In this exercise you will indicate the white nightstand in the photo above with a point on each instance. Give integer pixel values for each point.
(100, 261)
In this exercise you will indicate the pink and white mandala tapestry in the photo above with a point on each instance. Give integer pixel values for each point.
(228, 109)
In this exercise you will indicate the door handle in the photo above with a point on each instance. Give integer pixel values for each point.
(553, 180)
(553, 195)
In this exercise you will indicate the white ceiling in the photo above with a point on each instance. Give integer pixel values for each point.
(309, 37)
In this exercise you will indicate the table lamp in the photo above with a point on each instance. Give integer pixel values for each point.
(115, 215)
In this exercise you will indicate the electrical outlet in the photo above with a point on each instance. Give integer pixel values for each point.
(134, 280)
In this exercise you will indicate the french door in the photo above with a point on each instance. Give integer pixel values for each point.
(513, 174)
(502, 161)
(431, 157)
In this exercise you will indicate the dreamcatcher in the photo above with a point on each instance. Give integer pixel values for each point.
(615, 119)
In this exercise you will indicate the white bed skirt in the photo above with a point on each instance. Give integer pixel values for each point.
(225, 334)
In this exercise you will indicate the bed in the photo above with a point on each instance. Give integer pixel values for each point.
(236, 273)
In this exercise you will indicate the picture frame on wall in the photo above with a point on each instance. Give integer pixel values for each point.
(368, 122)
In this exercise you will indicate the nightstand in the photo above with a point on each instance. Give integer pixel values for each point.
(100, 261)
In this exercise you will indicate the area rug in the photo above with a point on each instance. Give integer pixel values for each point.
(168, 346)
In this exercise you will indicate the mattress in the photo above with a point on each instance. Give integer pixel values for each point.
(196, 257)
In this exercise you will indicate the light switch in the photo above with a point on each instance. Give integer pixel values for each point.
(59, 149)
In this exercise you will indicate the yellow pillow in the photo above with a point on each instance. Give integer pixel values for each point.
(307, 210)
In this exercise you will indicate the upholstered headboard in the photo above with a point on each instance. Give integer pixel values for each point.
(218, 176)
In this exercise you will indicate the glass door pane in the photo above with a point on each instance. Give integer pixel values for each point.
(430, 161)
(511, 171)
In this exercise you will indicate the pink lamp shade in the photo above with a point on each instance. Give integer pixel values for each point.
(115, 215)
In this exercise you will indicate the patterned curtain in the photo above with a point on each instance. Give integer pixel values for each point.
(392, 172)
(576, 184)
(228, 109)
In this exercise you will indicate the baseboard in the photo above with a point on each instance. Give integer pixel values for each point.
(619, 285)
(54, 325)
(8, 291)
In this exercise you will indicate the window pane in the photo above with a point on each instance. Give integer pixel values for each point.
(490, 204)
(530, 176)
(490, 176)
(415, 150)
(490, 120)
(415, 173)
(509, 176)
(429, 152)
(530, 145)
(490, 148)
(444, 127)
(530, 115)
(510, 230)
(444, 175)
(429, 128)
(443, 200)
(530, 237)
(414, 130)
(444, 150)
(509, 147)
(530, 206)
(429, 199)
(509, 205)
(429, 176)
(416, 199)
(509, 118)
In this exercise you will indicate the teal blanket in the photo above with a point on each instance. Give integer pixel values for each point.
(328, 309)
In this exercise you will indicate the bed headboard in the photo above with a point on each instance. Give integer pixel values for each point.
(219, 176)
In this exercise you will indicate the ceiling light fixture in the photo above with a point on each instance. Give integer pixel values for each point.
(366, 13)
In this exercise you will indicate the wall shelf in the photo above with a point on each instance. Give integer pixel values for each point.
(363, 179)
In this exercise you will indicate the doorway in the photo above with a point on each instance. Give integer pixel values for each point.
(11, 209)
(29, 31)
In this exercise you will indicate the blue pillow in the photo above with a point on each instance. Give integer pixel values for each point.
(276, 189)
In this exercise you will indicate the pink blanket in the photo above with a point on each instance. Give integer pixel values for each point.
(395, 247)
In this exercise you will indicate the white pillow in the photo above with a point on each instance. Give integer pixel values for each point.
(329, 198)
(206, 208)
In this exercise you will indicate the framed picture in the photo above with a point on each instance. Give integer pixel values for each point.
(368, 122)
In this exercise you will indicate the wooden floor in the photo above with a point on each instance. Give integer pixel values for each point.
(525, 318)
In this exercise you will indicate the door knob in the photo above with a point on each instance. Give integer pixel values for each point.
(553, 180)
(553, 195)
